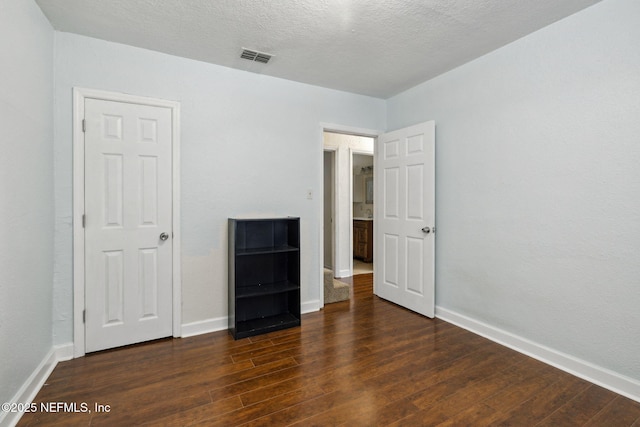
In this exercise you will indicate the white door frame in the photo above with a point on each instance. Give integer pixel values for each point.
(79, 96)
(348, 130)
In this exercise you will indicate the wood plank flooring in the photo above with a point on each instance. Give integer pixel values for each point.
(362, 362)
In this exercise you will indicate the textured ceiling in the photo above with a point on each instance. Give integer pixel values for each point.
(371, 47)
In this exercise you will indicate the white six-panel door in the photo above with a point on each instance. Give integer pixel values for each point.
(128, 205)
(405, 218)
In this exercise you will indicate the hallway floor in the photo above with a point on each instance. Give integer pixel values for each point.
(361, 267)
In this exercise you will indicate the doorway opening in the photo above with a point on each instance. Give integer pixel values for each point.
(348, 204)
(404, 214)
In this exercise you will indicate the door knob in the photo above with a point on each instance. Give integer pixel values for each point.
(426, 230)
(164, 236)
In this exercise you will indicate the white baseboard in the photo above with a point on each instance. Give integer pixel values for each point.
(204, 326)
(310, 306)
(64, 352)
(36, 380)
(222, 323)
(344, 273)
(603, 377)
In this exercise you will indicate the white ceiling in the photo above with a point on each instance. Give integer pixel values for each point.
(371, 47)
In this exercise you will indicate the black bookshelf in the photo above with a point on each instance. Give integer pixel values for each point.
(264, 275)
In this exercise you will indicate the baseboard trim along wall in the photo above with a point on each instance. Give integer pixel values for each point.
(36, 380)
(344, 273)
(221, 323)
(310, 306)
(205, 326)
(606, 378)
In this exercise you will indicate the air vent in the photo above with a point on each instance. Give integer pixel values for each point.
(256, 56)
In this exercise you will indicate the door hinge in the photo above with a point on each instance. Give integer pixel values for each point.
(84, 316)
(84, 220)
(84, 125)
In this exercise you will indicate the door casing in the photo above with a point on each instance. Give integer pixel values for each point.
(79, 96)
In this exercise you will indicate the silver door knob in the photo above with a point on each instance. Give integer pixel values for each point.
(164, 236)
(426, 230)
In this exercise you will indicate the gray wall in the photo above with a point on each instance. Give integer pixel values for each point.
(251, 145)
(538, 185)
(26, 200)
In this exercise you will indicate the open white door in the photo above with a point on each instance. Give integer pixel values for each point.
(405, 218)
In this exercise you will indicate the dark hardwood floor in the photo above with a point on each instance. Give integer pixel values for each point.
(362, 362)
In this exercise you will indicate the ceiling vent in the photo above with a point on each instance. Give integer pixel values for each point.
(253, 55)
